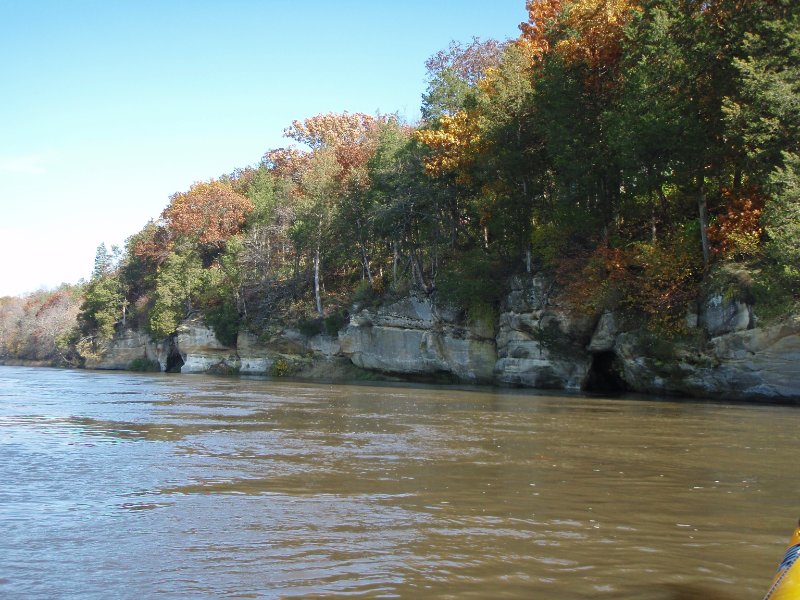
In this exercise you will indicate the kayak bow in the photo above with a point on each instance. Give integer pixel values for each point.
(786, 584)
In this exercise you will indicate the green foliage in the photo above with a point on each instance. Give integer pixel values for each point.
(774, 299)
(763, 113)
(265, 192)
(366, 295)
(310, 327)
(548, 243)
(217, 293)
(177, 281)
(104, 261)
(144, 365)
(668, 277)
(609, 158)
(330, 325)
(102, 306)
(334, 322)
(446, 94)
(282, 368)
(224, 319)
(453, 75)
(782, 222)
(473, 282)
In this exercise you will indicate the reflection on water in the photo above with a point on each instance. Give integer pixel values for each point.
(118, 485)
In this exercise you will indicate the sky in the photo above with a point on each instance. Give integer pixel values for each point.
(109, 107)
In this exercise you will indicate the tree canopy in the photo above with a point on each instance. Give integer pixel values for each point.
(633, 149)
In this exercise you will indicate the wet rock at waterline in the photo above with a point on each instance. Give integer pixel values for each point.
(537, 340)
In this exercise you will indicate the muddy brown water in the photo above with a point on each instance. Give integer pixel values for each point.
(116, 485)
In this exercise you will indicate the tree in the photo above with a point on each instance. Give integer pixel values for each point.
(102, 307)
(762, 112)
(40, 326)
(178, 280)
(592, 34)
(104, 302)
(782, 220)
(320, 192)
(454, 73)
(512, 168)
(103, 261)
(536, 40)
(348, 135)
(678, 73)
(208, 214)
(454, 144)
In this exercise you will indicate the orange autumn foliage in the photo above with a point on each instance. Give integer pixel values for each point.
(290, 163)
(543, 15)
(210, 212)
(152, 244)
(349, 134)
(737, 229)
(594, 31)
(656, 280)
(581, 31)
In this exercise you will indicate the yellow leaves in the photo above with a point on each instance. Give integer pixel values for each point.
(595, 29)
(454, 144)
(581, 31)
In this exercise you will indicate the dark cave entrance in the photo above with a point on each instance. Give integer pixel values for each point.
(174, 358)
(605, 375)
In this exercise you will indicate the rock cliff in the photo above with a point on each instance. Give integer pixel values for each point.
(537, 341)
(413, 337)
(127, 347)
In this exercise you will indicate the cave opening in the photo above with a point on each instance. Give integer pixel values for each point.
(174, 358)
(605, 375)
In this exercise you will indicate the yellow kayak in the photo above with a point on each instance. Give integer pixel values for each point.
(786, 585)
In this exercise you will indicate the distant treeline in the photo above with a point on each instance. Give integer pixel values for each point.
(639, 152)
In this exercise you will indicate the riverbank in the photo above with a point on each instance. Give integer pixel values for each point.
(535, 341)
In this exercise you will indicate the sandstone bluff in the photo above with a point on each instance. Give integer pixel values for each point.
(536, 341)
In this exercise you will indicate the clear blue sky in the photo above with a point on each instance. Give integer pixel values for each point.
(108, 107)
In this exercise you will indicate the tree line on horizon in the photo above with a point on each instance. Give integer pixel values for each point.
(640, 152)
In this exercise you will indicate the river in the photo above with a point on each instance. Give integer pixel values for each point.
(117, 485)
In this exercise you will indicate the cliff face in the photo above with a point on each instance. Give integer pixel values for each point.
(739, 365)
(127, 347)
(413, 337)
(537, 341)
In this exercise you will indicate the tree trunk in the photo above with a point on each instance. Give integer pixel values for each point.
(418, 273)
(653, 218)
(363, 250)
(365, 261)
(317, 296)
(703, 213)
(395, 260)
